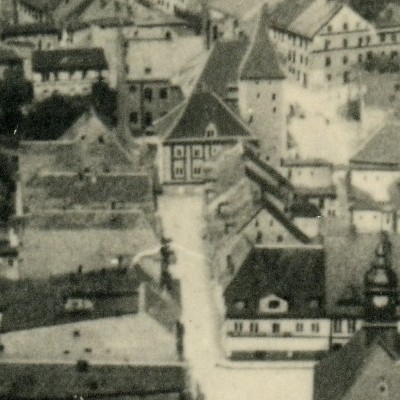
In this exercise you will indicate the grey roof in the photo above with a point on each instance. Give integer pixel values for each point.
(30, 29)
(69, 60)
(296, 274)
(383, 148)
(389, 17)
(262, 60)
(203, 108)
(337, 374)
(66, 381)
(304, 17)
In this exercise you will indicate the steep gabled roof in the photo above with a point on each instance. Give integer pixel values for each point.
(202, 109)
(294, 273)
(382, 149)
(389, 17)
(338, 373)
(262, 60)
(304, 17)
(69, 59)
(222, 68)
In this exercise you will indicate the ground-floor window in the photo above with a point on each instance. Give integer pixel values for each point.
(178, 169)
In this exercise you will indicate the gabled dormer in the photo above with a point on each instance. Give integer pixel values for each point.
(211, 131)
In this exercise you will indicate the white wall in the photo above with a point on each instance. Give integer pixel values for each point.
(310, 226)
(367, 221)
(310, 176)
(374, 182)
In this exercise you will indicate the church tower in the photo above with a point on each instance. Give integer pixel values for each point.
(381, 290)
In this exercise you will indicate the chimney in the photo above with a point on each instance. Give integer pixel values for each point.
(142, 298)
(13, 238)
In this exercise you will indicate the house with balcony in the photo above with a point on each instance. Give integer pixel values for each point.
(67, 71)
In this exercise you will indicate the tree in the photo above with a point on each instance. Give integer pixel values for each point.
(49, 119)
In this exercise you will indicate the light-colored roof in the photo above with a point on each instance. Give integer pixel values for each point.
(162, 59)
(382, 149)
(304, 17)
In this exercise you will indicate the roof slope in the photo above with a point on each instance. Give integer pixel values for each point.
(382, 148)
(30, 29)
(389, 17)
(338, 373)
(303, 17)
(262, 60)
(222, 68)
(295, 274)
(205, 108)
(63, 381)
(69, 59)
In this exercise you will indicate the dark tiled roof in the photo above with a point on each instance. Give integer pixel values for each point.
(389, 17)
(295, 274)
(131, 188)
(303, 17)
(361, 200)
(262, 60)
(41, 5)
(202, 109)
(30, 29)
(304, 209)
(383, 148)
(307, 192)
(69, 59)
(9, 55)
(70, 9)
(30, 304)
(222, 68)
(63, 381)
(338, 373)
(237, 8)
(315, 162)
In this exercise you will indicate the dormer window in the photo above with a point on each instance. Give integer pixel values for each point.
(211, 131)
(274, 304)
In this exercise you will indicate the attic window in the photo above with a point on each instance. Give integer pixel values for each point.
(240, 305)
(273, 304)
(383, 387)
(211, 131)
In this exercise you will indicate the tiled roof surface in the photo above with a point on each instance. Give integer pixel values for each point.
(30, 29)
(9, 55)
(41, 5)
(262, 60)
(383, 148)
(63, 381)
(70, 9)
(87, 189)
(69, 59)
(205, 108)
(338, 373)
(304, 17)
(222, 68)
(296, 274)
(238, 8)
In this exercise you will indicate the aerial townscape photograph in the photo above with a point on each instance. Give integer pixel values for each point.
(199, 199)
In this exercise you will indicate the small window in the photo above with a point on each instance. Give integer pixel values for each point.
(133, 117)
(360, 41)
(274, 110)
(360, 58)
(345, 60)
(132, 88)
(382, 37)
(178, 151)
(273, 96)
(345, 26)
(327, 61)
(254, 327)
(239, 305)
(329, 28)
(163, 93)
(327, 44)
(299, 327)
(148, 94)
(148, 119)
(368, 39)
(10, 262)
(315, 327)
(351, 325)
(147, 70)
(276, 328)
(238, 326)
(100, 140)
(345, 43)
(273, 304)
(394, 37)
(337, 326)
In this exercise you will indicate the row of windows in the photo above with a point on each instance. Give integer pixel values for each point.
(148, 93)
(293, 38)
(276, 327)
(338, 326)
(46, 75)
(292, 57)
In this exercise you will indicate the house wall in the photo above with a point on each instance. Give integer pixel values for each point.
(310, 176)
(306, 60)
(157, 107)
(261, 105)
(289, 337)
(186, 160)
(66, 83)
(375, 182)
(310, 226)
(370, 221)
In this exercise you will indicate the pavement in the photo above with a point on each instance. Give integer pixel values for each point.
(211, 374)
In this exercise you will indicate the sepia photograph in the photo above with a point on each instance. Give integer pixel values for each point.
(199, 199)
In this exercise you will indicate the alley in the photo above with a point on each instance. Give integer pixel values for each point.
(218, 379)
